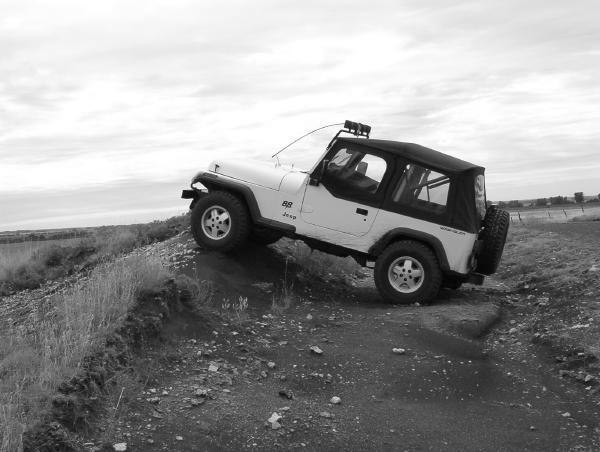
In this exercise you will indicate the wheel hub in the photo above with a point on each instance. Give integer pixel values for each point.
(406, 274)
(216, 222)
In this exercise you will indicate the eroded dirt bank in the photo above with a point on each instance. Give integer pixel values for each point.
(215, 384)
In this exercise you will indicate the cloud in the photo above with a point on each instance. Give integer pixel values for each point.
(105, 93)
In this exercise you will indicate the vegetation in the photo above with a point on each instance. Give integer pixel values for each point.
(28, 265)
(35, 359)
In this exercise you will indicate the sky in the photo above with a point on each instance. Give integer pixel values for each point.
(107, 109)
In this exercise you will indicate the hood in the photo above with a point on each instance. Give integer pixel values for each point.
(265, 174)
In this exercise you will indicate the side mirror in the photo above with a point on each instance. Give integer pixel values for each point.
(317, 174)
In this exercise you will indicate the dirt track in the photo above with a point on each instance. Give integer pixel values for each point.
(449, 390)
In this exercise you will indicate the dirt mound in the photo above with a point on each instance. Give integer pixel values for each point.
(76, 403)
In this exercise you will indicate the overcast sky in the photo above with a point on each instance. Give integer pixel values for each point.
(107, 108)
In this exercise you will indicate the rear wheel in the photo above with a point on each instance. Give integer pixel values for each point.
(408, 272)
(220, 221)
(493, 236)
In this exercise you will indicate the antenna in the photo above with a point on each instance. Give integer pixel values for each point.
(303, 136)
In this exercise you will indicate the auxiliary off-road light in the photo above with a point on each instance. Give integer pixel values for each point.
(358, 129)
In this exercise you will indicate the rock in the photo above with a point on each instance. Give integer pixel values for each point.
(201, 392)
(153, 399)
(179, 438)
(566, 414)
(287, 394)
(213, 367)
(399, 351)
(594, 268)
(336, 400)
(588, 378)
(263, 374)
(120, 447)
(326, 414)
(309, 317)
(271, 365)
(316, 350)
(512, 331)
(274, 421)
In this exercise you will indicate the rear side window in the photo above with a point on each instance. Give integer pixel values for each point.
(422, 188)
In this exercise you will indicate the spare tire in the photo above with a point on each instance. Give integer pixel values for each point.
(493, 237)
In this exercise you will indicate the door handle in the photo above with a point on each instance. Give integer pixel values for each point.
(362, 211)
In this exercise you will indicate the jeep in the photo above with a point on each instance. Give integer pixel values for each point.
(417, 216)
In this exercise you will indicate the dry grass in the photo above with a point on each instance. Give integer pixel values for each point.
(235, 311)
(595, 217)
(283, 297)
(34, 360)
(27, 265)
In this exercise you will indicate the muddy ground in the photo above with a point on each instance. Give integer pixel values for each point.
(465, 375)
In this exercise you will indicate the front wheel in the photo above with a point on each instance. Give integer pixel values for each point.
(220, 221)
(408, 272)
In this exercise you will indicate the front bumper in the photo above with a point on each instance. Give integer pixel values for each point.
(189, 194)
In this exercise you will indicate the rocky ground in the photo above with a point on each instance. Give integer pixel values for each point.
(333, 368)
(279, 355)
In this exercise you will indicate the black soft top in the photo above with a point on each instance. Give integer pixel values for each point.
(417, 153)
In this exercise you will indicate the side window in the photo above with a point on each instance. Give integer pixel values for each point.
(422, 188)
(354, 172)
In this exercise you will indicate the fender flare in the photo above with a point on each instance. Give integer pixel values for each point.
(397, 234)
(213, 182)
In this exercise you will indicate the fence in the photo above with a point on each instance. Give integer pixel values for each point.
(561, 214)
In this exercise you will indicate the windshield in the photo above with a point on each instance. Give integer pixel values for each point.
(307, 152)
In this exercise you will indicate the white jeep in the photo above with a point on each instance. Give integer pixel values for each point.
(418, 214)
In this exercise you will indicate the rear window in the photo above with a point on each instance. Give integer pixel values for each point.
(480, 195)
(422, 188)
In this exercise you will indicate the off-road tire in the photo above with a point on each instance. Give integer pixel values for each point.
(264, 236)
(233, 231)
(493, 236)
(424, 288)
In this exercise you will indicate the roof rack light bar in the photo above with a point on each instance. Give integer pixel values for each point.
(357, 129)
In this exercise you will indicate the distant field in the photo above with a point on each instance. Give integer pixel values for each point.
(14, 254)
(556, 214)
